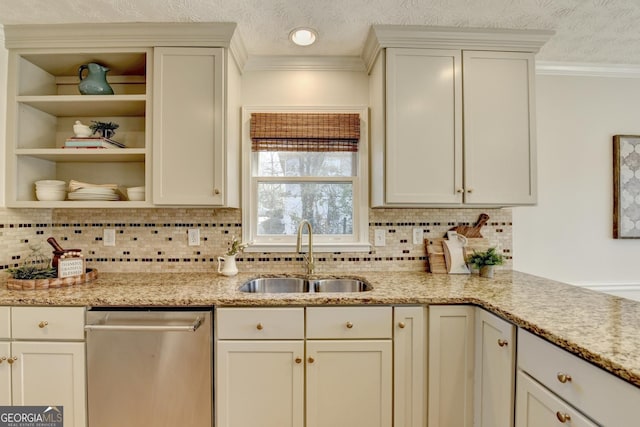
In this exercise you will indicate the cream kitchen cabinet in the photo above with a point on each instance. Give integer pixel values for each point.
(43, 361)
(187, 127)
(495, 367)
(451, 365)
(538, 407)
(409, 366)
(455, 126)
(259, 362)
(195, 163)
(343, 366)
(554, 385)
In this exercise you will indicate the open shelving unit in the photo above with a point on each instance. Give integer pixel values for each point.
(44, 102)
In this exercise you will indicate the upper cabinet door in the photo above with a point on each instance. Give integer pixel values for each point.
(188, 133)
(424, 128)
(499, 128)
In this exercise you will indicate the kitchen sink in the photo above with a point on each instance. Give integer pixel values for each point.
(276, 285)
(339, 285)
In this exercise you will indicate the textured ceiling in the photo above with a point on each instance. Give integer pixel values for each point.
(594, 31)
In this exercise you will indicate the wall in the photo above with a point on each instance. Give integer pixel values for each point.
(568, 235)
(156, 239)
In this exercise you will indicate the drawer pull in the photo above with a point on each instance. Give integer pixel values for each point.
(259, 326)
(563, 418)
(2, 359)
(563, 378)
(298, 360)
(311, 360)
(503, 343)
(401, 325)
(11, 360)
(349, 325)
(42, 324)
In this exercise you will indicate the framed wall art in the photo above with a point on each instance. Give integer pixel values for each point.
(626, 187)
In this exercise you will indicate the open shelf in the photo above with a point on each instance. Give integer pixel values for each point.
(84, 154)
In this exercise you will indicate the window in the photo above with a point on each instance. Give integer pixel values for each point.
(305, 165)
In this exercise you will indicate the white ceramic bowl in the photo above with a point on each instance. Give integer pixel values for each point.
(135, 193)
(51, 195)
(50, 183)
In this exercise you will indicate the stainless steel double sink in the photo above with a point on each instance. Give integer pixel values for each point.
(278, 285)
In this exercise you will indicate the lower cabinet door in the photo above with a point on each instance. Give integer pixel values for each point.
(260, 383)
(451, 366)
(538, 407)
(51, 374)
(349, 383)
(409, 367)
(494, 371)
(5, 374)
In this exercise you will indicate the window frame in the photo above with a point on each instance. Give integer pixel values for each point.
(359, 240)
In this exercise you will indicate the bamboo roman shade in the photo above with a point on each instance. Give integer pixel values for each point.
(305, 132)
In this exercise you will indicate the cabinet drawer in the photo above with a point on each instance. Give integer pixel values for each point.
(260, 323)
(349, 322)
(599, 394)
(537, 406)
(47, 323)
(5, 322)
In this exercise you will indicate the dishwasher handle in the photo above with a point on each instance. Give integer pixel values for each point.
(192, 327)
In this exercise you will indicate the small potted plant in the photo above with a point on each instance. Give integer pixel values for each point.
(485, 261)
(105, 129)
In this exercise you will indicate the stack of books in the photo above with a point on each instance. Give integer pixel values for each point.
(92, 142)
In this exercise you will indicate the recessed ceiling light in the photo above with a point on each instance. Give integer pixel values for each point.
(303, 36)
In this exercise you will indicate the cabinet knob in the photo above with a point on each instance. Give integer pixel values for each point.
(563, 418)
(401, 325)
(563, 378)
(216, 191)
(42, 324)
(311, 360)
(259, 326)
(470, 190)
(11, 360)
(298, 360)
(2, 359)
(349, 325)
(460, 190)
(503, 343)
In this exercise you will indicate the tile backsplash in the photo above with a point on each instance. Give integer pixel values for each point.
(155, 240)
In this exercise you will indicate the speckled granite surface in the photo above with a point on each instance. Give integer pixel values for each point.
(600, 328)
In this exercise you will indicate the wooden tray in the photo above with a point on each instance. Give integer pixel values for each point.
(28, 285)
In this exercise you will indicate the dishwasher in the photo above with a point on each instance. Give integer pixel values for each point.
(149, 367)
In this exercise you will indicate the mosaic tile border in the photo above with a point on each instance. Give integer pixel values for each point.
(155, 240)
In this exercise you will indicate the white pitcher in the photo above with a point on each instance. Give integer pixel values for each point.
(227, 265)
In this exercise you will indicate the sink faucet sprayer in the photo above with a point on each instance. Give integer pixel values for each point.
(309, 256)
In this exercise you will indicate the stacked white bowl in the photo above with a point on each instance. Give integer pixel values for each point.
(135, 193)
(51, 190)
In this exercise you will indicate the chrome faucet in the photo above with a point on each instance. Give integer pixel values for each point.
(308, 258)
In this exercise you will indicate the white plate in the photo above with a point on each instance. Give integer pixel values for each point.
(95, 190)
(76, 196)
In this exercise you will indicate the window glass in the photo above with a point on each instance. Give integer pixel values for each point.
(293, 163)
(328, 206)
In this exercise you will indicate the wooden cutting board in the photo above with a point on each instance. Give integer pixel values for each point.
(474, 231)
(435, 255)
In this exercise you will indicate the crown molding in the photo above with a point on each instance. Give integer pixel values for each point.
(418, 36)
(238, 51)
(585, 69)
(130, 34)
(298, 63)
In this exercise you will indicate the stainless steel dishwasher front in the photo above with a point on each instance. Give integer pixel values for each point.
(149, 368)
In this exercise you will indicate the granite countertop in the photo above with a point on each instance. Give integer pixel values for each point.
(600, 328)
